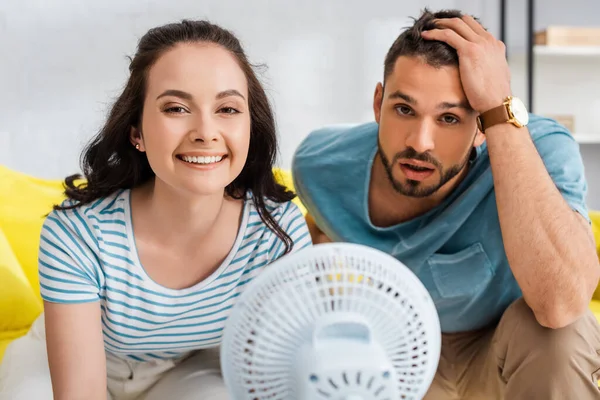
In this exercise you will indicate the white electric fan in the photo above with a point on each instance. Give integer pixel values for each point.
(335, 321)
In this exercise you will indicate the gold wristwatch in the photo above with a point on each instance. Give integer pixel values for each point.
(511, 111)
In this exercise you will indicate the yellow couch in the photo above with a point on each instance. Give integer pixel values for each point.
(24, 202)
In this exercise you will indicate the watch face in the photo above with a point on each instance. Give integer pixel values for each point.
(519, 111)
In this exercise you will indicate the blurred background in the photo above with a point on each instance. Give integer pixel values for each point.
(62, 62)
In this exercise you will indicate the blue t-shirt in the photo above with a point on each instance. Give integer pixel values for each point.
(455, 249)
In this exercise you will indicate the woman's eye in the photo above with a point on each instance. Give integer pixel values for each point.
(403, 110)
(228, 110)
(449, 119)
(176, 110)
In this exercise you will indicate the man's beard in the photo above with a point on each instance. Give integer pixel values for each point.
(414, 188)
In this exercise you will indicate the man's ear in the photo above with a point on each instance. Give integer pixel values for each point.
(377, 100)
(479, 138)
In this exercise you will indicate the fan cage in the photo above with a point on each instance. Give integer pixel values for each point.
(275, 316)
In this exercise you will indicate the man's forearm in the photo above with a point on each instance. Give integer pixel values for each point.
(549, 246)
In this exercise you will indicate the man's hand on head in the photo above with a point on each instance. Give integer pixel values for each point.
(484, 71)
(553, 259)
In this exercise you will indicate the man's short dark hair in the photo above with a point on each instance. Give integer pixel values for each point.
(410, 43)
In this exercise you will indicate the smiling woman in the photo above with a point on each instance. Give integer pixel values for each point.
(209, 118)
(180, 211)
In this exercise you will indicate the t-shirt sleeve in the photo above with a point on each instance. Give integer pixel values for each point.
(293, 223)
(68, 266)
(560, 154)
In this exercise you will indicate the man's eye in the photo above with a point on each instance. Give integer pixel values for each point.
(449, 119)
(403, 110)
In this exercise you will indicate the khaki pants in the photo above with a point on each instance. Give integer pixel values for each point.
(25, 375)
(520, 360)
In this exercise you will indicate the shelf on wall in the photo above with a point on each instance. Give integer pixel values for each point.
(587, 138)
(582, 51)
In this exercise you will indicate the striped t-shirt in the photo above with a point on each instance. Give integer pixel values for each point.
(88, 254)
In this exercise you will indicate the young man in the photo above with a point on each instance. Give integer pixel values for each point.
(483, 202)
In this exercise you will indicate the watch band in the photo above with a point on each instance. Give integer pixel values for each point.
(495, 116)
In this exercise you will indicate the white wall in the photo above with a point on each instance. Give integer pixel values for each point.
(63, 61)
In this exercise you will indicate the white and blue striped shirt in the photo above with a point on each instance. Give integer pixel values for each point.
(88, 254)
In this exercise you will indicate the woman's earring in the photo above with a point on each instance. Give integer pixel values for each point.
(137, 146)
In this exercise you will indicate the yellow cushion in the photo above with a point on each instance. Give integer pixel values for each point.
(595, 217)
(595, 307)
(284, 177)
(19, 305)
(25, 201)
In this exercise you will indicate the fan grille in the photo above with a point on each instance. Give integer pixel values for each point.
(276, 315)
(367, 385)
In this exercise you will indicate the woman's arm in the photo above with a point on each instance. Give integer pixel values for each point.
(76, 351)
